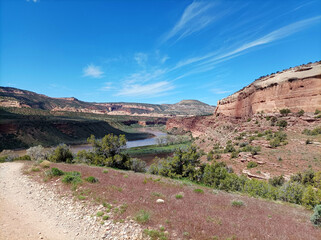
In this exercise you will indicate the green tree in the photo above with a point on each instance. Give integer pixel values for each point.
(109, 146)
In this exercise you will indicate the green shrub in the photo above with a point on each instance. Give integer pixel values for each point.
(214, 174)
(72, 177)
(313, 132)
(142, 216)
(61, 153)
(24, 157)
(234, 154)
(229, 148)
(285, 111)
(92, 179)
(251, 165)
(277, 181)
(282, 123)
(257, 188)
(55, 172)
(232, 182)
(291, 192)
(106, 217)
(317, 111)
(316, 216)
(311, 197)
(300, 113)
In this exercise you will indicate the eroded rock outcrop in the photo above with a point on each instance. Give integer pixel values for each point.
(296, 88)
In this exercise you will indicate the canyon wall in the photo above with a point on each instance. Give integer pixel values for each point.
(296, 88)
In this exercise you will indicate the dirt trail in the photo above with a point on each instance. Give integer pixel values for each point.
(28, 211)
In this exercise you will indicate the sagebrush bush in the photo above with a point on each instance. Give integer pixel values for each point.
(292, 192)
(285, 111)
(138, 165)
(316, 217)
(37, 153)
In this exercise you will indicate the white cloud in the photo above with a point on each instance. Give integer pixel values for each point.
(209, 60)
(193, 19)
(144, 76)
(164, 59)
(107, 86)
(146, 90)
(33, 1)
(92, 71)
(141, 58)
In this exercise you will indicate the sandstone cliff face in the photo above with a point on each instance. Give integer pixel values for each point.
(296, 88)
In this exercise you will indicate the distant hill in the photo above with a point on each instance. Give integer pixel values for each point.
(13, 97)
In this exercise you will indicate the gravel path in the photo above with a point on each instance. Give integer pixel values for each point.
(29, 210)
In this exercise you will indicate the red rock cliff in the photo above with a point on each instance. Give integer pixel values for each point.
(296, 88)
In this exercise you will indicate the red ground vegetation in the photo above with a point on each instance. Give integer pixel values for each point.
(196, 215)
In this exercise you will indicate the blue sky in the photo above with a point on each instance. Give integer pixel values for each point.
(152, 51)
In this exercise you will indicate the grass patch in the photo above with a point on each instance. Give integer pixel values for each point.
(179, 196)
(81, 197)
(106, 217)
(72, 177)
(142, 216)
(237, 203)
(155, 234)
(100, 213)
(198, 190)
(92, 179)
(157, 194)
(105, 171)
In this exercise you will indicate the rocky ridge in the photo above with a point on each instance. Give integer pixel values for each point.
(12, 97)
(296, 88)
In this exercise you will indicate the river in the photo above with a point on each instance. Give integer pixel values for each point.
(130, 144)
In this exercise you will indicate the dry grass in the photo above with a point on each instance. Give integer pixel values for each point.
(202, 216)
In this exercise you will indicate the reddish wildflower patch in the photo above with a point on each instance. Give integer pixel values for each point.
(197, 216)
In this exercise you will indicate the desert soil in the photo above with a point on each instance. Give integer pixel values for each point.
(28, 210)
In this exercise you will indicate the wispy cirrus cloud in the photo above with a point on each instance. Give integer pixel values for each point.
(193, 19)
(208, 60)
(92, 71)
(146, 90)
(141, 58)
(107, 86)
(33, 1)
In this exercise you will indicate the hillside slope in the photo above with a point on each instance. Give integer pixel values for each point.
(13, 97)
(21, 131)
